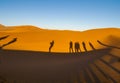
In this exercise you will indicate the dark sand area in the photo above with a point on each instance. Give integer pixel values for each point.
(44, 67)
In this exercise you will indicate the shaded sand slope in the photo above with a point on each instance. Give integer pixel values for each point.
(43, 67)
(39, 39)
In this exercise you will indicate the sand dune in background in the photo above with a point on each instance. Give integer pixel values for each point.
(38, 39)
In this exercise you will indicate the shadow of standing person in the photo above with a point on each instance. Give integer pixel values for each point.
(77, 47)
(84, 46)
(51, 45)
(71, 47)
(93, 48)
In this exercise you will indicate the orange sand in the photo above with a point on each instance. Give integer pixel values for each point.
(37, 39)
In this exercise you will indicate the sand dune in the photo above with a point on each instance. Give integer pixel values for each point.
(99, 64)
(38, 39)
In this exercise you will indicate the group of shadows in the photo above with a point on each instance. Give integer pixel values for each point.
(76, 46)
(87, 75)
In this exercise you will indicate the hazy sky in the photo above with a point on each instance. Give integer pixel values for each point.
(61, 14)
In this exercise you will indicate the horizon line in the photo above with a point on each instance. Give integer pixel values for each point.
(59, 28)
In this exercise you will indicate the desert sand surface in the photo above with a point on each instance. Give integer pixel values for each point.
(28, 61)
(44, 67)
(96, 66)
(38, 39)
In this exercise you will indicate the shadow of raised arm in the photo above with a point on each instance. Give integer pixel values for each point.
(107, 45)
(1, 38)
(10, 42)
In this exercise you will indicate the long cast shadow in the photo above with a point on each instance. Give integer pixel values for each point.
(107, 45)
(1, 38)
(10, 42)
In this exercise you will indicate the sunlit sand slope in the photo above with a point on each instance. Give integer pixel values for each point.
(37, 39)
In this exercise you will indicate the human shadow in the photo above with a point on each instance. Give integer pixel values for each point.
(93, 48)
(71, 47)
(107, 45)
(84, 46)
(77, 47)
(10, 42)
(1, 38)
(51, 45)
(115, 58)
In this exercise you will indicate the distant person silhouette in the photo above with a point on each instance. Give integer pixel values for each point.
(77, 47)
(71, 47)
(84, 46)
(51, 45)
